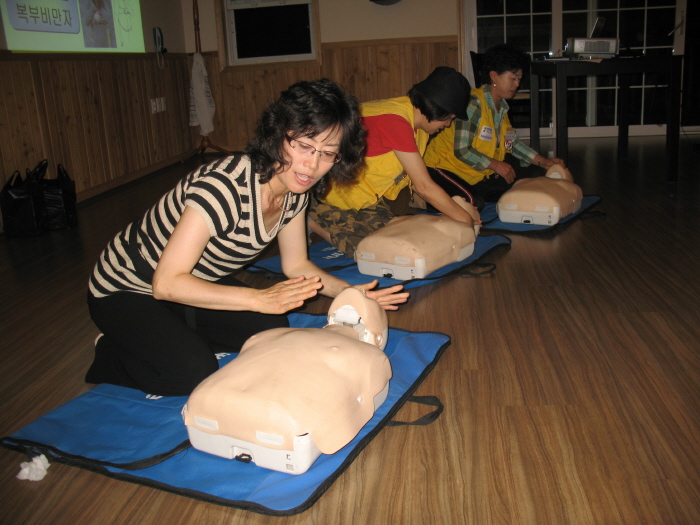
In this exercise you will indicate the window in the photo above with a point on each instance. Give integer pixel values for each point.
(643, 28)
(526, 24)
(540, 27)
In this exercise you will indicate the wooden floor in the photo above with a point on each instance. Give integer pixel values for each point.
(571, 387)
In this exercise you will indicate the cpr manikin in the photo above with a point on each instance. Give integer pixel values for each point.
(541, 200)
(294, 393)
(414, 246)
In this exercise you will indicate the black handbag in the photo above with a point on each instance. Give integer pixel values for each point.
(60, 199)
(23, 208)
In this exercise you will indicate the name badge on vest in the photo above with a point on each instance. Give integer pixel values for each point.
(401, 176)
(510, 137)
(486, 134)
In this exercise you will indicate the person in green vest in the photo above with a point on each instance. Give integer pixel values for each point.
(398, 130)
(468, 158)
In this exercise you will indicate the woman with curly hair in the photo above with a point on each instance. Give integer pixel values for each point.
(162, 293)
(468, 159)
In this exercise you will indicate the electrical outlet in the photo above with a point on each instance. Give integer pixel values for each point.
(162, 103)
(154, 106)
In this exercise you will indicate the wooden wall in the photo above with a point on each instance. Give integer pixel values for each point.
(369, 70)
(93, 114)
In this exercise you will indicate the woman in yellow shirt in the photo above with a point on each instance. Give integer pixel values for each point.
(469, 156)
(398, 130)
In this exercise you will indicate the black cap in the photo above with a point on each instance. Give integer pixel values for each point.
(448, 88)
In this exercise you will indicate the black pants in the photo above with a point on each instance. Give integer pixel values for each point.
(486, 190)
(166, 348)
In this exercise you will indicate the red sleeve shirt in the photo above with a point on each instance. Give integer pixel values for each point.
(388, 132)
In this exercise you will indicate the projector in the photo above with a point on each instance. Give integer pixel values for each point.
(592, 47)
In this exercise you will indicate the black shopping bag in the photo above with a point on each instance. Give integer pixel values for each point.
(60, 199)
(23, 208)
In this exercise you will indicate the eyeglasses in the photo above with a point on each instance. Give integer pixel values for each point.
(308, 150)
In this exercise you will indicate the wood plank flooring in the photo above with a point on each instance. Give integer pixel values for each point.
(571, 387)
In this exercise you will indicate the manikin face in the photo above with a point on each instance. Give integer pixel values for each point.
(507, 83)
(309, 160)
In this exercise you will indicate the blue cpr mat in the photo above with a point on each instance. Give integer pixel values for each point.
(328, 258)
(491, 222)
(128, 435)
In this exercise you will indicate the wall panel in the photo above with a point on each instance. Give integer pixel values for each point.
(20, 130)
(369, 70)
(93, 114)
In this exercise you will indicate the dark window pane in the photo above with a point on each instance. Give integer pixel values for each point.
(635, 105)
(605, 107)
(574, 25)
(541, 6)
(515, 7)
(518, 32)
(657, 79)
(577, 105)
(661, 3)
(577, 82)
(545, 109)
(660, 24)
(607, 4)
(489, 7)
(637, 79)
(525, 81)
(541, 33)
(574, 5)
(631, 3)
(606, 80)
(609, 29)
(655, 100)
(632, 28)
(489, 32)
(519, 113)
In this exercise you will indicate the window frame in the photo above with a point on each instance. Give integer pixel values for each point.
(469, 41)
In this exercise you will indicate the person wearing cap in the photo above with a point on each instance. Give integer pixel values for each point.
(398, 130)
(469, 156)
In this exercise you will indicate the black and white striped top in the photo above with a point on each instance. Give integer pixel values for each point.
(226, 194)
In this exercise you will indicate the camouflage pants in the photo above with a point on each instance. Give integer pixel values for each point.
(348, 227)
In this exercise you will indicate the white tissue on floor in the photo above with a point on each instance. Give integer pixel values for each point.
(35, 469)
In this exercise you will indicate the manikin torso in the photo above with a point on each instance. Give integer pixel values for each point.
(289, 382)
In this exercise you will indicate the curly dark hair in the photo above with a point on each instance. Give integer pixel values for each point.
(502, 58)
(426, 106)
(307, 109)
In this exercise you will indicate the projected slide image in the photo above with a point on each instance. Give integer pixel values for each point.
(98, 23)
(73, 25)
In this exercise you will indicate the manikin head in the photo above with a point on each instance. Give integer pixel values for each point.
(557, 171)
(352, 308)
